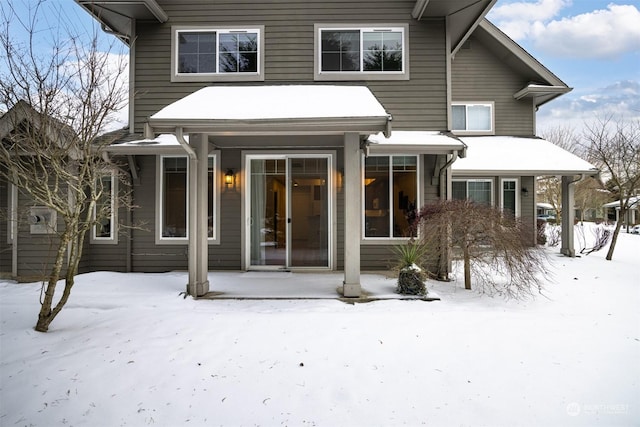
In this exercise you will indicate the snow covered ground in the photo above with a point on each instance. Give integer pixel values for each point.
(127, 350)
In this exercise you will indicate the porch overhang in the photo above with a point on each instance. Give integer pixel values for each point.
(274, 110)
(415, 142)
(518, 156)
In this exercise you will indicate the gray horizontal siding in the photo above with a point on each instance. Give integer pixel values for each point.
(478, 75)
(419, 103)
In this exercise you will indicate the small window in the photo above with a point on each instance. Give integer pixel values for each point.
(105, 210)
(374, 53)
(173, 217)
(214, 54)
(477, 190)
(472, 118)
(390, 196)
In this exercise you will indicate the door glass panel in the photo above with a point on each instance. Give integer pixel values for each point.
(268, 212)
(309, 212)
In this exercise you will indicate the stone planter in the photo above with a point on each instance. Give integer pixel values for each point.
(411, 281)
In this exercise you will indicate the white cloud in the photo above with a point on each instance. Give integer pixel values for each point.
(518, 19)
(620, 99)
(606, 33)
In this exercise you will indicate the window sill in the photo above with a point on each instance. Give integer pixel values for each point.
(227, 77)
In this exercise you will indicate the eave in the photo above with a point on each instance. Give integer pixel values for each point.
(463, 16)
(116, 16)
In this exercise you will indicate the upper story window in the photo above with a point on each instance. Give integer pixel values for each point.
(474, 118)
(217, 54)
(390, 196)
(357, 53)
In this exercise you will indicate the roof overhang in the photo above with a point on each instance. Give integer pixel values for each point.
(415, 142)
(116, 16)
(463, 16)
(274, 110)
(541, 93)
(517, 156)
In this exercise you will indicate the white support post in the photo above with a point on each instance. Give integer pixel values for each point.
(198, 212)
(568, 216)
(352, 215)
(192, 200)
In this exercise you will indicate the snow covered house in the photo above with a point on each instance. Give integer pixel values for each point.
(301, 135)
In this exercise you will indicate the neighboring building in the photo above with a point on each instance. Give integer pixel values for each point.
(279, 135)
(632, 216)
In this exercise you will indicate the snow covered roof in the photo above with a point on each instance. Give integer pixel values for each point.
(634, 201)
(432, 142)
(165, 143)
(278, 108)
(491, 155)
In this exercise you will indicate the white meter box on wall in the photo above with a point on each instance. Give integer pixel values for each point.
(43, 220)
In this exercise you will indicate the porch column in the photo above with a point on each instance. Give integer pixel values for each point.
(198, 211)
(568, 216)
(352, 215)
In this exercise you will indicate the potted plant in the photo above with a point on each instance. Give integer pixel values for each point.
(411, 277)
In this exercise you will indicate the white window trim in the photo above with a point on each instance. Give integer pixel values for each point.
(517, 192)
(12, 204)
(215, 239)
(386, 240)
(467, 181)
(208, 77)
(492, 113)
(318, 74)
(113, 238)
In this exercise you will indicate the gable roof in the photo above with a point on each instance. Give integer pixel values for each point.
(23, 112)
(543, 84)
(463, 16)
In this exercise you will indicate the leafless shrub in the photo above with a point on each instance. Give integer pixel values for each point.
(554, 235)
(601, 236)
(495, 248)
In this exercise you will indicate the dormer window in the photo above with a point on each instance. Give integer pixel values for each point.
(217, 54)
(362, 53)
(472, 118)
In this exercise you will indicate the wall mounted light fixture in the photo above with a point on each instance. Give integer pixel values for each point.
(525, 192)
(229, 178)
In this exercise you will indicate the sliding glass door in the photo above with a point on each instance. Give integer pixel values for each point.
(289, 211)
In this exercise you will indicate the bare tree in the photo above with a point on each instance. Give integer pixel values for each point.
(590, 195)
(61, 91)
(491, 243)
(613, 145)
(550, 187)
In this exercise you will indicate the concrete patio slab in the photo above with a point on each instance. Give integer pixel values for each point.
(301, 285)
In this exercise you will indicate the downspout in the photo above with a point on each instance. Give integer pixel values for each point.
(183, 142)
(443, 170)
(445, 254)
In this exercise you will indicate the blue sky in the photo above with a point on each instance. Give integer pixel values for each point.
(592, 45)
